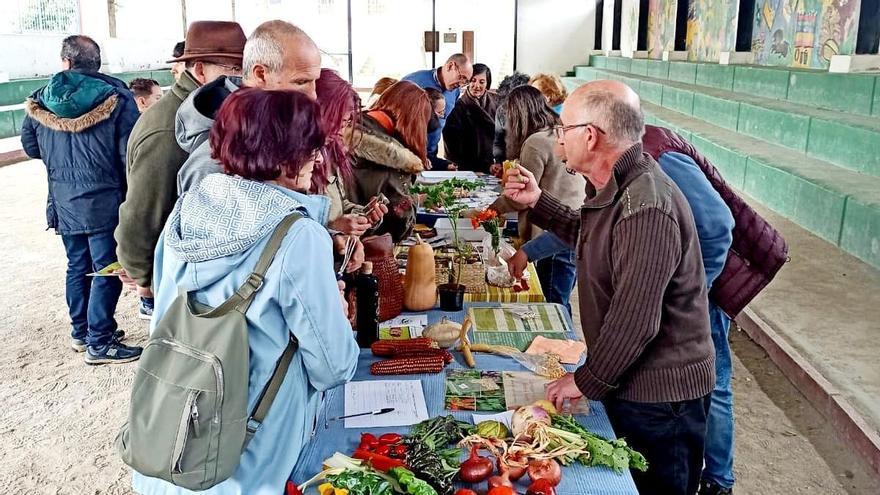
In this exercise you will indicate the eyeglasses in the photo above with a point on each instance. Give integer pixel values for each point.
(236, 69)
(562, 129)
(462, 80)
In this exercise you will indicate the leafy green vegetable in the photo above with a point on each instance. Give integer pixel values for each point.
(361, 483)
(410, 483)
(615, 454)
(439, 432)
(443, 195)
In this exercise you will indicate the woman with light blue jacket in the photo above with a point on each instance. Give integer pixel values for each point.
(267, 142)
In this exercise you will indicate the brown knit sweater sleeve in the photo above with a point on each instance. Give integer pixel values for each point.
(646, 249)
(553, 216)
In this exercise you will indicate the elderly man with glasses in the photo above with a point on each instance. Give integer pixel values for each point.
(448, 79)
(642, 286)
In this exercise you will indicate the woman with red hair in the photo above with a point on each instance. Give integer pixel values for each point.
(267, 143)
(340, 110)
(389, 148)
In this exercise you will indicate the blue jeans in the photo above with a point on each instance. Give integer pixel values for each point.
(91, 301)
(719, 426)
(557, 274)
(670, 435)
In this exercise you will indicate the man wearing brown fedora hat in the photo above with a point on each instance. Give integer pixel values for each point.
(213, 49)
(277, 55)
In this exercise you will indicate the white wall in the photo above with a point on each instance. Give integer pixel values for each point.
(554, 35)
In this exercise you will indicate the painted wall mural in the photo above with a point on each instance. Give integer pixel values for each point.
(804, 33)
(661, 27)
(711, 29)
(629, 27)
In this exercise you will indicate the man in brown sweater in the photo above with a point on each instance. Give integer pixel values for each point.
(643, 298)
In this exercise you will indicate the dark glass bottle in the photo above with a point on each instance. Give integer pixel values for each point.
(367, 291)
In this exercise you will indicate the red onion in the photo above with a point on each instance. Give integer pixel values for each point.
(476, 468)
(545, 470)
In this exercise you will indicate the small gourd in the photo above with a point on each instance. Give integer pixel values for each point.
(445, 332)
(420, 279)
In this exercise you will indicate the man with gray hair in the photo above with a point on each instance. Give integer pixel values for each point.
(79, 124)
(277, 55)
(448, 79)
(642, 285)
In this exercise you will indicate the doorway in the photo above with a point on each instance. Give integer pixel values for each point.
(393, 37)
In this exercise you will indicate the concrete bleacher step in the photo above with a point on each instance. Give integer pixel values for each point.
(848, 140)
(851, 93)
(838, 205)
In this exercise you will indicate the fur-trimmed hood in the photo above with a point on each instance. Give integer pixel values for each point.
(89, 119)
(372, 143)
(74, 101)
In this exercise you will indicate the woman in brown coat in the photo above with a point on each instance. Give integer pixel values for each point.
(389, 150)
(531, 139)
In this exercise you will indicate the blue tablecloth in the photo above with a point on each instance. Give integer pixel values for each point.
(576, 479)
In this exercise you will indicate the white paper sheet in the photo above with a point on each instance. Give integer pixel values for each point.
(505, 418)
(406, 397)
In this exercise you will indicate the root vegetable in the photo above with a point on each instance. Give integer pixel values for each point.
(525, 415)
(513, 472)
(500, 480)
(545, 470)
(476, 468)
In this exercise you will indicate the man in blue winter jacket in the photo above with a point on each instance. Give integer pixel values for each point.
(78, 125)
(448, 79)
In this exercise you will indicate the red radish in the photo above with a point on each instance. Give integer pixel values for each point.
(476, 468)
(545, 470)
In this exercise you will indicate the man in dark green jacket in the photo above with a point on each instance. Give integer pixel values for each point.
(213, 49)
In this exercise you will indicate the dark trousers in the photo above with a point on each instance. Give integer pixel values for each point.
(671, 436)
(557, 274)
(91, 301)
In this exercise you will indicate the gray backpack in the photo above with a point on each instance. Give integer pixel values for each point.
(188, 421)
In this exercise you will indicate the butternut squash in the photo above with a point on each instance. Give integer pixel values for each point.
(420, 279)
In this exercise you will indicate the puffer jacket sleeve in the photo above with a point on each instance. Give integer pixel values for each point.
(29, 138)
(128, 116)
(312, 308)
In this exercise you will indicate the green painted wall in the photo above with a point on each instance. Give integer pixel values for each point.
(851, 93)
(715, 76)
(757, 81)
(860, 234)
(723, 113)
(788, 129)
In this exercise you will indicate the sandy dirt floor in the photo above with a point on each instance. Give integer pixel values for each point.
(59, 417)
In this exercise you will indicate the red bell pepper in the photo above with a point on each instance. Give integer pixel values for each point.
(379, 462)
(292, 489)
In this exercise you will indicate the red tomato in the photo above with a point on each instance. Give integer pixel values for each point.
(501, 490)
(400, 450)
(383, 450)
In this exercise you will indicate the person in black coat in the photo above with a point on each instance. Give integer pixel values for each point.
(470, 128)
(78, 125)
